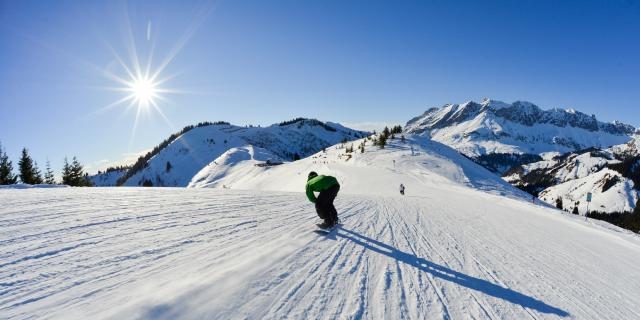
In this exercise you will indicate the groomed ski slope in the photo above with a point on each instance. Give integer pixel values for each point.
(445, 250)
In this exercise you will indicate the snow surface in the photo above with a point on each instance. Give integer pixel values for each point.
(235, 164)
(462, 243)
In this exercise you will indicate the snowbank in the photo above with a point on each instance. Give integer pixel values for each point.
(32, 186)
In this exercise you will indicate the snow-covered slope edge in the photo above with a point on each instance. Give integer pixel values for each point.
(235, 164)
(179, 158)
(418, 163)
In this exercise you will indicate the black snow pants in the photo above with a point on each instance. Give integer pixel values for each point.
(324, 204)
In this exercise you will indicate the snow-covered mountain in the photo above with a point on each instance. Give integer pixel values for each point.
(554, 154)
(178, 159)
(108, 178)
(500, 135)
(611, 175)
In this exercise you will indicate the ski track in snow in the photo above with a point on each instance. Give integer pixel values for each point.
(221, 254)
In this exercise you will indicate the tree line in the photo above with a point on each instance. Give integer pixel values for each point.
(381, 139)
(28, 172)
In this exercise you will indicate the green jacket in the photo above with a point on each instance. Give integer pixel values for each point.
(318, 184)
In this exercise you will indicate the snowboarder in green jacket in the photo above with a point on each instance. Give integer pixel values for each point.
(328, 187)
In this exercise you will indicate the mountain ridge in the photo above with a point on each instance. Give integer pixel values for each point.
(178, 158)
(522, 112)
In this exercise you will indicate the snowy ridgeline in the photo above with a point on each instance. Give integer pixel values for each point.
(611, 175)
(445, 250)
(519, 128)
(176, 163)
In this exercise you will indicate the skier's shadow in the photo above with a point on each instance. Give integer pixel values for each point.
(444, 273)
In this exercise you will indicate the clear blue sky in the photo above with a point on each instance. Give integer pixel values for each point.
(262, 62)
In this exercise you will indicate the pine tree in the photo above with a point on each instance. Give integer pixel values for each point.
(77, 171)
(168, 167)
(27, 170)
(37, 175)
(79, 179)
(73, 174)
(385, 132)
(49, 177)
(6, 169)
(382, 139)
(66, 173)
(559, 203)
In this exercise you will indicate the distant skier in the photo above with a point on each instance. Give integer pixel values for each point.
(402, 189)
(328, 187)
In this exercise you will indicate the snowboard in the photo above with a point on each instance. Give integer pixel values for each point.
(326, 230)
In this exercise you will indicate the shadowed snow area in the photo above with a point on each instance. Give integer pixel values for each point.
(461, 244)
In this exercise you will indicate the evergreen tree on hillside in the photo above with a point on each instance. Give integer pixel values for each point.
(6, 169)
(559, 203)
(77, 171)
(28, 173)
(382, 139)
(348, 149)
(632, 221)
(66, 172)
(49, 177)
(37, 175)
(396, 129)
(168, 166)
(73, 174)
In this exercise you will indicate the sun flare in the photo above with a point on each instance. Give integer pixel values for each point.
(143, 79)
(143, 90)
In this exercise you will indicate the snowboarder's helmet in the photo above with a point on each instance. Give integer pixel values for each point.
(312, 175)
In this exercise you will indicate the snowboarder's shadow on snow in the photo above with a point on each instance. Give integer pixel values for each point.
(444, 273)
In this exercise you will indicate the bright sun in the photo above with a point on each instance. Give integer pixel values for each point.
(144, 83)
(143, 90)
